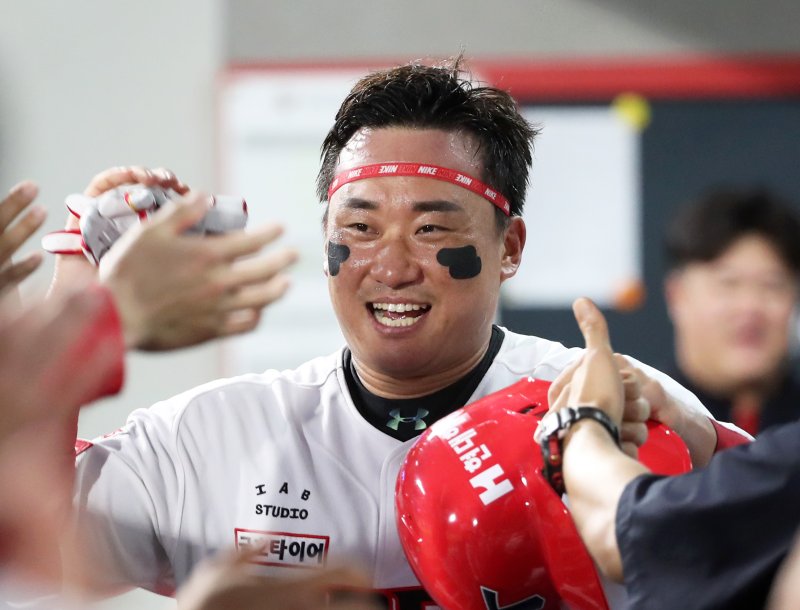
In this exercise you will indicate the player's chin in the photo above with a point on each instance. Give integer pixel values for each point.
(404, 362)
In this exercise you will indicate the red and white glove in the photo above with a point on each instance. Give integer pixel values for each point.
(103, 219)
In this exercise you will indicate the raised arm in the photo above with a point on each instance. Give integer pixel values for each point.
(675, 538)
(596, 471)
(174, 289)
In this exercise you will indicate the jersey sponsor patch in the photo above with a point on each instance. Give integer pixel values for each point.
(285, 549)
(278, 509)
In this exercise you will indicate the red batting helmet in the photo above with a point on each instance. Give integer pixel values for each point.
(481, 527)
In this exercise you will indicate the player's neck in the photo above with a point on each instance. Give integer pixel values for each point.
(388, 386)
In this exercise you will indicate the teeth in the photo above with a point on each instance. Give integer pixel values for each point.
(399, 322)
(377, 308)
(399, 307)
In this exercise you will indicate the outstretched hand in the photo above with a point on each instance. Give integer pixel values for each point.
(73, 271)
(18, 200)
(174, 289)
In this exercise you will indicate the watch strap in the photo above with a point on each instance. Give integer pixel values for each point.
(600, 417)
(554, 427)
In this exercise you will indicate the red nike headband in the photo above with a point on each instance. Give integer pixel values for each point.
(425, 171)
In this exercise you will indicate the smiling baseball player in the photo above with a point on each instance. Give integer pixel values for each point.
(424, 176)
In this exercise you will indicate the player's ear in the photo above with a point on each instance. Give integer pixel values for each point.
(513, 244)
(325, 259)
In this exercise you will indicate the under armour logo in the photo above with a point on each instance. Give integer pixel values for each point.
(417, 419)
(534, 602)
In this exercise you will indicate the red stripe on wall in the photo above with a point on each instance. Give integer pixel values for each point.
(679, 77)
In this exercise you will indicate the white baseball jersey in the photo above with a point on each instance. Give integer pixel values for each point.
(283, 457)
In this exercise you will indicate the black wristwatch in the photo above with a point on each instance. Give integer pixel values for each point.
(550, 436)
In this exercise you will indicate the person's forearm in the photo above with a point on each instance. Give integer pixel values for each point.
(595, 474)
(697, 431)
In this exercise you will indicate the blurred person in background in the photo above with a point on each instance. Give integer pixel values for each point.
(731, 292)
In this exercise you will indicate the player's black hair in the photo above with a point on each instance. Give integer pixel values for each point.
(439, 97)
(703, 229)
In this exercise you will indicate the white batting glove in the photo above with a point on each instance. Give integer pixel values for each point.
(103, 219)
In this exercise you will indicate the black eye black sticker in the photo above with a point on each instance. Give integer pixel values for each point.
(337, 254)
(463, 263)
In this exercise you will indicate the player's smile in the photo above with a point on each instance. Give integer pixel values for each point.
(398, 314)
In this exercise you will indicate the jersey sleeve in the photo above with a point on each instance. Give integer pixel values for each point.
(712, 538)
(728, 436)
(129, 496)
